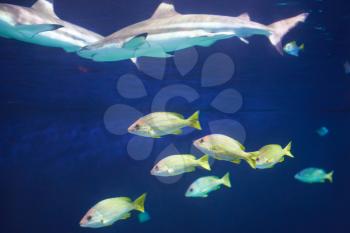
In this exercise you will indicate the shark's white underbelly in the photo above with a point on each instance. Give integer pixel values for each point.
(64, 38)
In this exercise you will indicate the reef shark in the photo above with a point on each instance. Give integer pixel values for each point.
(40, 25)
(168, 31)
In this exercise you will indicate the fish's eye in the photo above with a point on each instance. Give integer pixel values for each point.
(137, 127)
(191, 190)
(201, 141)
(89, 218)
(157, 168)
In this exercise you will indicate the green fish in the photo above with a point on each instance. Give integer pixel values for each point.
(203, 186)
(270, 155)
(158, 124)
(314, 175)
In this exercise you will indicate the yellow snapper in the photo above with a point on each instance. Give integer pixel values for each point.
(270, 155)
(178, 164)
(222, 147)
(203, 186)
(158, 124)
(108, 211)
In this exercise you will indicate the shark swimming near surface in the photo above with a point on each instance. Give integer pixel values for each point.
(40, 25)
(168, 31)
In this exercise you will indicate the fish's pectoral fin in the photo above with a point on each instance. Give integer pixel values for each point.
(236, 161)
(136, 42)
(34, 29)
(125, 216)
(177, 132)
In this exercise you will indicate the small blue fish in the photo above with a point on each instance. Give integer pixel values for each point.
(144, 217)
(323, 131)
(293, 49)
(314, 175)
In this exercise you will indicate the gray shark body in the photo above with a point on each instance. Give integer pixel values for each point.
(40, 25)
(168, 31)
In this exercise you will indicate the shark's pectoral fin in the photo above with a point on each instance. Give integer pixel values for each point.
(136, 42)
(34, 29)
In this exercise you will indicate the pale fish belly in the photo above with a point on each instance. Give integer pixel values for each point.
(174, 41)
(107, 53)
(7, 31)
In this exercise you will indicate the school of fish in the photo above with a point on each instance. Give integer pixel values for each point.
(165, 32)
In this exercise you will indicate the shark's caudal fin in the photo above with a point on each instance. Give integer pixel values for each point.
(281, 28)
(45, 6)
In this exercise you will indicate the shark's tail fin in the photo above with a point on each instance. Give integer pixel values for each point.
(281, 28)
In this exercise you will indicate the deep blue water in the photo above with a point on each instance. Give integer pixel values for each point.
(57, 158)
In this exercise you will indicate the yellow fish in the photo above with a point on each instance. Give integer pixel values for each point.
(270, 155)
(158, 124)
(222, 147)
(108, 211)
(178, 164)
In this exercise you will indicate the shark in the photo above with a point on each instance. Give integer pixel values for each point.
(40, 25)
(168, 31)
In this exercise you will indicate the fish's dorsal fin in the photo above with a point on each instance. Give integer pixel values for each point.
(244, 16)
(164, 10)
(45, 6)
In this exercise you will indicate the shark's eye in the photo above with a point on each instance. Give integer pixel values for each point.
(89, 218)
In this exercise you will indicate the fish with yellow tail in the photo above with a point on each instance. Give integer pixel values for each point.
(158, 124)
(205, 185)
(314, 175)
(109, 211)
(222, 147)
(268, 156)
(178, 164)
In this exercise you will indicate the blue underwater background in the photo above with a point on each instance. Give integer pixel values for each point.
(57, 159)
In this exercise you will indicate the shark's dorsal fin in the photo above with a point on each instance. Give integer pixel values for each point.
(164, 10)
(244, 16)
(45, 6)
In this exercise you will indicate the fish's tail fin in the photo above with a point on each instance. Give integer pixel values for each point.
(226, 180)
(281, 28)
(204, 162)
(302, 47)
(329, 176)
(287, 150)
(139, 203)
(194, 121)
